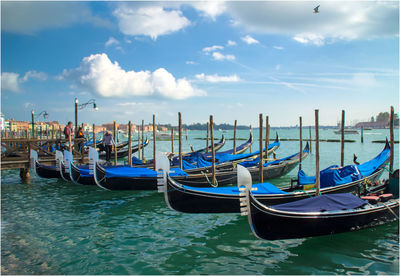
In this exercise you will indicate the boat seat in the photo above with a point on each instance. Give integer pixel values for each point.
(371, 199)
(385, 197)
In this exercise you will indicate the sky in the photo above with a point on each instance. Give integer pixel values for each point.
(229, 59)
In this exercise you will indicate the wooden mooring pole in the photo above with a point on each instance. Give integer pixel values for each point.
(301, 141)
(260, 161)
(212, 150)
(115, 143)
(33, 124)
(317, 180)
(180, 139)
(172, 140)
(342, 140)
(143, 139)
(154, 142)
(208, 128)
(139, 142)
(309, 131)
(94, 136)
(234, 137)
(130, 143)
(252, 133)
(391, 121)
(362, 134)
(266, 136)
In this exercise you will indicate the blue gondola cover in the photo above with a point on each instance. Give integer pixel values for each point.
(329, 202)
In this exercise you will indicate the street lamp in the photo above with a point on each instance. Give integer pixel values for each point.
(45, 115)
(82, 106)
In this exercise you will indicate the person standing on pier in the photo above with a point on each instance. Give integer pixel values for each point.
(79, 134)
(108, 142)
(68, 130)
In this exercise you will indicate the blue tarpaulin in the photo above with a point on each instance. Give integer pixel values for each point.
(335, 175)
(139, 172)
(329, 202)
(261, 188)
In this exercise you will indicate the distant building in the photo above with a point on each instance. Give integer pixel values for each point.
(372, 125)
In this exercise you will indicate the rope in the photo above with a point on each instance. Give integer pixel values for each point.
(208, 180)
(303, 192)
(396, 216)
(390, 172)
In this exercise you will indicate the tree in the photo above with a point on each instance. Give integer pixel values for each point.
(372, 119)
(383, 117)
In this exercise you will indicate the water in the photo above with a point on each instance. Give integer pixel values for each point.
(53, 227)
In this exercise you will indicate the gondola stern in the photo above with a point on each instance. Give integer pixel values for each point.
(99, 175)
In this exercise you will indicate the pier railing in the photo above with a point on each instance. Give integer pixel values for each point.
(15, 152)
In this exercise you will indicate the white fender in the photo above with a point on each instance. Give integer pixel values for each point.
(93, 158)
(162, 167)
(34, 157)
(244, 179)
(59, 157)
(68, 159)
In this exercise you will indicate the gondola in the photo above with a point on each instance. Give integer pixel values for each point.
(123, 152)
(185, 198)
(199, 177)
(45, 171)
(241, 148)
(319, 215)
(224, 161)
(128, 178)
(135, 179)
(100, 146)
(217, 146)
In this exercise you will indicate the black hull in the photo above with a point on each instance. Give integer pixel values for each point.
(223, 177)
(47, 171)
(123, 183)
(267, 223)
(78, 179)
(63, 173)
(189, 201)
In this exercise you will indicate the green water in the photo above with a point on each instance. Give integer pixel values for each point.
(54, 227)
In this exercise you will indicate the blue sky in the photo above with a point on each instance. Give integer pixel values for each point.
(233, 60)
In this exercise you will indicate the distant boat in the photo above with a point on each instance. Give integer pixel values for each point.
(347, 131)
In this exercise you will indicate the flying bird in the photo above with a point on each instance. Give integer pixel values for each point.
(316, 9)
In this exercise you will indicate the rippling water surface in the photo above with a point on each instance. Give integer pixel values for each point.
(53, 227)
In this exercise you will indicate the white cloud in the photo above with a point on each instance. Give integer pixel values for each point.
(190, 62)
(346, 20)
(111, 41)
(310, 38)
(231, 43)
(216, 78)
(32, 17)
(209, 8)
(150, 21)
(278, 47)
(219, 56)
(34, 75)
(212, 48)
(9, 82)
(99, 75)
(249, 40)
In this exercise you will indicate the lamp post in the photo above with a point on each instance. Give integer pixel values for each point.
(82, 106)
(45, 115)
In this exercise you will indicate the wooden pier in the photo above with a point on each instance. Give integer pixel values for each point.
(15, 152)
